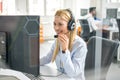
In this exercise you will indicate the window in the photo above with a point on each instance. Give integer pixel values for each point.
(41, 7)
(113, 1)
(52, 6)
(48, 7)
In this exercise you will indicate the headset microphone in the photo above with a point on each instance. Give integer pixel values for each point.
(55, 36)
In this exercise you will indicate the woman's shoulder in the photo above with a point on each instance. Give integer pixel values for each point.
(79, 40)
(79, 43)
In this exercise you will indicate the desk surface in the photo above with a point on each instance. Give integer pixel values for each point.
(49, 73)
(12, 74)
(113, 29)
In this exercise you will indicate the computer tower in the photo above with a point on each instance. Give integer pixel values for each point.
(3, 45)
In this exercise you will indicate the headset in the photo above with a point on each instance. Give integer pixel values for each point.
(71, 23)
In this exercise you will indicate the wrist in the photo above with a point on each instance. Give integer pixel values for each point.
(63, 51)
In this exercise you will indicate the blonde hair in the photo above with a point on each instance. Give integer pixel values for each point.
(65, 15)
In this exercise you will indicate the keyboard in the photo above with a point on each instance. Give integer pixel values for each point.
(32, 77)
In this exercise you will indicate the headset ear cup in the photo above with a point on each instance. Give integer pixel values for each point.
(71, 25)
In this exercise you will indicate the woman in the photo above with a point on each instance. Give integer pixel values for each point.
(69, 50)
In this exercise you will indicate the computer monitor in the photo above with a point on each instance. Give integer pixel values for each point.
(22, 42)
(106, 22)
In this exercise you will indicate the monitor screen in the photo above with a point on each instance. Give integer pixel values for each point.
(106, 22)
(22, 42)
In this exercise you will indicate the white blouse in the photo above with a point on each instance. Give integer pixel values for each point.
(71, 63)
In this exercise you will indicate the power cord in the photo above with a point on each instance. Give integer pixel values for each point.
(51, 75)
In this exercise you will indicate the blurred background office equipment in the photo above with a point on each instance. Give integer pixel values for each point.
(111, 13)
(118, 22)
(85, 33)
(106, 22)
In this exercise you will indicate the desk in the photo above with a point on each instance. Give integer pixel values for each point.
(7, 74)
(12, 74)
(54, 74)
(112, 30)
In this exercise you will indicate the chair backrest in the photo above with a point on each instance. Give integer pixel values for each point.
(118, 22)
(109, 48)
(85, 34)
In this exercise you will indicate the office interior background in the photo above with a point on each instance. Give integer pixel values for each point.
(46, 10)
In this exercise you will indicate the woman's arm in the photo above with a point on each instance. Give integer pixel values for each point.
(74, 65)
(46, 59)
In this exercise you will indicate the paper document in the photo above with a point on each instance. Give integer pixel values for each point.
(3, 77)
(15, 74)
(49, 71)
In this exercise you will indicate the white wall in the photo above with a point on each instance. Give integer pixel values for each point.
(76, 5)
(81, 4)
(21, 7)
(5, 7)
(108, 5)
(11, 7)
(48, 28)
(34, 7)
(70, 4)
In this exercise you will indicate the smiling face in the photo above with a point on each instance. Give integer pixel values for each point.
(60, 25)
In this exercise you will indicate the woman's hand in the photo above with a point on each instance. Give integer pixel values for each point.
(64, 41)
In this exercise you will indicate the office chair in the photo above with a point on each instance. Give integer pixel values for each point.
(118, 22)
(85, 34)
(109, 48)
